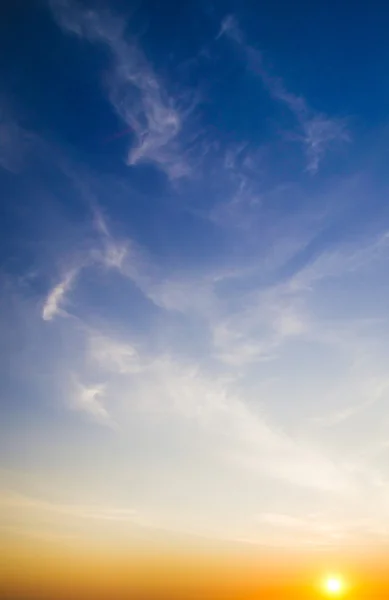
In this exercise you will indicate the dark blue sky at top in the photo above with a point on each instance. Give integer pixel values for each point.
(335, 55)
(331, 53)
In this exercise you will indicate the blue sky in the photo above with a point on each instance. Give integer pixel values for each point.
(195, 251)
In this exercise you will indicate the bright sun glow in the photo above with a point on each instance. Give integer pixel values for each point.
(333, 585)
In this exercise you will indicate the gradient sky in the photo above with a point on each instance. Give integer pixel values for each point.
(195, 245)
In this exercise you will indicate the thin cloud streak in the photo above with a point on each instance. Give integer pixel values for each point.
(107, 252)
(56, 298)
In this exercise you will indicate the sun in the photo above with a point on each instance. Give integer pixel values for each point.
(333, 585)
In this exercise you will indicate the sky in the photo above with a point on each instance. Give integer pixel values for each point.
(194, 275)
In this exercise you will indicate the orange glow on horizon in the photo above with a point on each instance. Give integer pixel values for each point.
(48, 569)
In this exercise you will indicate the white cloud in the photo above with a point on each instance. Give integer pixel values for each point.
(100, 223)
(114, 254)
(229, 26)
(344, 259)
(114, 356)
(134, 90)
(89, 399)
(245, 200)
(183, 295)
(264, 322)
(319, 134)
(57, 296)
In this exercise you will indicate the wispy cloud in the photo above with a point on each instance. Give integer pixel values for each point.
(317, 131)
(113, 253)
(230, 26)
(108, 252)
(266, 320)
(56, 298)
(114, 356)
(134, 90)
(89, 399)
(344, 259)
